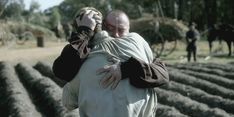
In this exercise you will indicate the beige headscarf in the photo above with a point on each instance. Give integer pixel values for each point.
(80, 14)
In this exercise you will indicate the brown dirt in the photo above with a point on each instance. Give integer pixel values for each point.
(32, 54)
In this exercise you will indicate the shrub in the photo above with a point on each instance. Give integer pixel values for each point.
(222, 81)
(229, 75)
(15, 101)
(223, 67)
(19, 28)
(201, 96)
(168, 111)
(209, 87)
(46, 94)
(169, 28)
(188, 106)
(46, 70)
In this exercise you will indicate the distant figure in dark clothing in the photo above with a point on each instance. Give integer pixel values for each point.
(191, 37)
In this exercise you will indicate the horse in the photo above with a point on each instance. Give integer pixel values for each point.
(222, 32)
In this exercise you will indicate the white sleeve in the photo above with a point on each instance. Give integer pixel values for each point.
(146, 48)
(69, 99)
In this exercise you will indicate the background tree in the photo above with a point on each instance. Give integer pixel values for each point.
(2, 6)
(55, 21)
(13, 9)
(203, 12)
(54, 17)
(69, 8)
(211, 12)
(33, 15)
(34, 6)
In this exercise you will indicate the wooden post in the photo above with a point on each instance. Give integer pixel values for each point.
(40, 41)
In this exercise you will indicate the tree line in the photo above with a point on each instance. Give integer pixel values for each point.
(203, 12)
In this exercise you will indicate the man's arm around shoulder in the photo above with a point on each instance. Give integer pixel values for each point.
(67, 65)
(143, 75)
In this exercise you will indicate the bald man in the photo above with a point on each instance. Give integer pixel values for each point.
(117, 24)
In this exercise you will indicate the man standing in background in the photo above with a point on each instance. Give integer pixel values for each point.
(191, 37)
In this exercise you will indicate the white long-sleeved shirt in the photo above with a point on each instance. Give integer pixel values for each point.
(85, 92)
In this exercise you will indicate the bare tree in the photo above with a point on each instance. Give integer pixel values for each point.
(3, 4)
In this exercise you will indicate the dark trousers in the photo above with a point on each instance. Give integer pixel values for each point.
(190, 53)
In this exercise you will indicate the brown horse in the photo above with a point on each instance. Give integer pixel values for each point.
(222, 32)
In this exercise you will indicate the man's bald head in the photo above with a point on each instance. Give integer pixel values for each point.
(117, 23)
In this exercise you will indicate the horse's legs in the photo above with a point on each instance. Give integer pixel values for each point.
(229, 44)
(220, 45)
(195, 55)
(220, 42)
(189, 55)
(210, 46)
(233, 46)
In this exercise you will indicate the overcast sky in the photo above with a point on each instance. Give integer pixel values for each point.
(44, 4)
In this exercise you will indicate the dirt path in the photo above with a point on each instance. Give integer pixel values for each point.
(31, 55)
